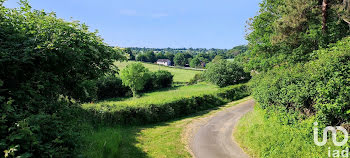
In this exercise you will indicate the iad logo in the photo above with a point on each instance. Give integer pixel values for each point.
(334, 135)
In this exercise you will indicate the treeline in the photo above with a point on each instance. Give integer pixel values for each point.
(198, 57)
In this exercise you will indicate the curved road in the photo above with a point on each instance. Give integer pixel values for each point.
(214, 139)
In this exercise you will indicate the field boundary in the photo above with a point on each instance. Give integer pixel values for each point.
(154, 113)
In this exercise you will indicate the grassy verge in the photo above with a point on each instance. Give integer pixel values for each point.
(180, 75)
(266, 137)
(160, 140)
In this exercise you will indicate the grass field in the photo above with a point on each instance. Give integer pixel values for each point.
(180, 75)
(266, 137)
(163, 140)
(157, 97)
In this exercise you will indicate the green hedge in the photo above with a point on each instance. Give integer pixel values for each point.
(318, 88)
(161, 112)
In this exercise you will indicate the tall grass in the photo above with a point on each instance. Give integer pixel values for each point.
(267, 137)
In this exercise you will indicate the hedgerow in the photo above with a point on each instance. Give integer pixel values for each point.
(318, 88)
(152, 113)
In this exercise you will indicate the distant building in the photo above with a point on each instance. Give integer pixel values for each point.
(165, 62)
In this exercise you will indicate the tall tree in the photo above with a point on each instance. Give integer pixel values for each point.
(180, 59)
(288, 31)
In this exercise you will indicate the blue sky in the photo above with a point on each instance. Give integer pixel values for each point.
(159, 23)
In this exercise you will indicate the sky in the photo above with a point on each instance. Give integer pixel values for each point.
(158, 23)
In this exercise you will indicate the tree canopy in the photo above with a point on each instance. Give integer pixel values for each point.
(135, 76)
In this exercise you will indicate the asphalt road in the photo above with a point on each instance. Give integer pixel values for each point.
(215, 138)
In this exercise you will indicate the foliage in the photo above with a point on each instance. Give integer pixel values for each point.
(141, 57)
(135, 76)
(288, 31)
(232, 53)
(151, 57)
(151, 109)
(196, 79)
(111, 87)
(162, 79)
(44, 62)
(180, 75)
(195, 62)
(158, 80)
(180, 59)
(319, 87)
(130, 54)
(224, 73)
(218, 58)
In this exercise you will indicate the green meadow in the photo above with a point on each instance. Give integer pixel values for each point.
(158, 97)
(180, 75)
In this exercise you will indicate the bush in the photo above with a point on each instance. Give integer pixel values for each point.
(158, 80)
(196, 79)
(161, 112)
(224, 73)
(111, 87)
(162, 79)
(45, 62)
(320, 87)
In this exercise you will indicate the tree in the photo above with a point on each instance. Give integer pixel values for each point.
(170, 56)
(180, 59)
(160, 55)
(188, 56)
(195, 62)
(129, 52)
(224, 73)
(45, 63)
(289, 31)
(151, 57)
(134, 76)
(141, 57)
(236, 51)
(218, 58)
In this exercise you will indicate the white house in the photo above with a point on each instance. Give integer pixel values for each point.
(165, 62)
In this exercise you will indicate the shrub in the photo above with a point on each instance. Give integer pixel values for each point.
(162, 79)
(161, 112)
(158, 80)
(111, 87)
(196, 79)
(224, 73)
(320, 87)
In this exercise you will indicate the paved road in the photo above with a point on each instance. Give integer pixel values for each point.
(214, 139)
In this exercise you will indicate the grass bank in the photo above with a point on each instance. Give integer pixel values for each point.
(267, 137)
(161, 140)
(180, 75)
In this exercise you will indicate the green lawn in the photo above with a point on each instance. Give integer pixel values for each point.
(157, 97)
(180, 75)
